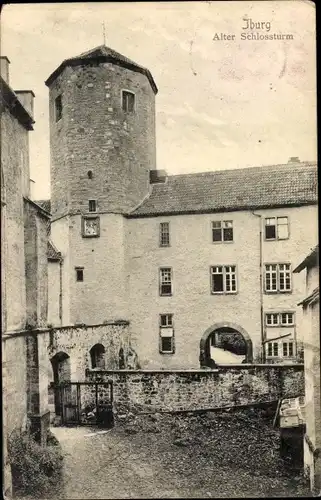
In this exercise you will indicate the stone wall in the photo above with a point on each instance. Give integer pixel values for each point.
(76, 342)
(14, 397)
(14, 383)
(202, 389)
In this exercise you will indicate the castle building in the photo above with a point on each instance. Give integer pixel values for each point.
(194, 262)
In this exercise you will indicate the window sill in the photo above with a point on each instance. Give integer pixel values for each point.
(220, 242)
(166, 352)
(277, 292)
(164, 246)
(280, 326)
(224, 293)
(166, 295)
(276, 239)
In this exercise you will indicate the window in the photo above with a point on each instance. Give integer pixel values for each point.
(164, 234)
(278, 278)
(166, 345)
(165, 281)
(58, 108)
(166, 320)
(287, 318)
(92, 206)
(79, 273)
(222, 231)
(128, 101)
(287, 349)
(223, 279)
(271, 319)
(97, 356)
(276, 319)
(273, 349)
(276, 228)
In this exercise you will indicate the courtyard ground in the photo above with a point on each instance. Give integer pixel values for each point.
(226, 455)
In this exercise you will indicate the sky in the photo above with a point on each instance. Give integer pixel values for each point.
(221, 104)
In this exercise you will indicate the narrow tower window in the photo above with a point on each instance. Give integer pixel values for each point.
(92, 206)
(79, 274)
(58, 108)
(128, 101)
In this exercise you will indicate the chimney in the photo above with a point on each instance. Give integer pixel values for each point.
(294, 159)
(157, 176)
(26, 98)
(5, 68)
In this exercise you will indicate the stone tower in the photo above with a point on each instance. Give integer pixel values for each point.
(103, 146)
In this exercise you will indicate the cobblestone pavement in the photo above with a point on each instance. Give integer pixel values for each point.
(140, 464)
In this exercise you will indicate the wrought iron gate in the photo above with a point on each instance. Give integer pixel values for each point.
(85, 403)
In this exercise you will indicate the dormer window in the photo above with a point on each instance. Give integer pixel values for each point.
(58, 108)
(128, 101)
(92, 206)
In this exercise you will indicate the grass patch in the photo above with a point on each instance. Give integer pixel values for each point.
(36, 470)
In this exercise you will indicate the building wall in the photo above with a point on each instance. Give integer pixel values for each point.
(54, 293)
(101, 296)
(201, 389)
(95, 134)
(312, 443)
(36, 265)
(190, 255)
(60, 236)
(312, 279)
(15, 176)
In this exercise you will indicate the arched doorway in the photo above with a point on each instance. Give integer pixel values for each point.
(225, 343)
(60, 363)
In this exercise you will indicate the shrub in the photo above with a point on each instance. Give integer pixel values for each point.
(36, 469)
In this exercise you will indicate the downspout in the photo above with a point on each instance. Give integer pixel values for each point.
(261, 286)
(60, 291)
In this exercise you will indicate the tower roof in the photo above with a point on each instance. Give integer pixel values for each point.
(102, 54)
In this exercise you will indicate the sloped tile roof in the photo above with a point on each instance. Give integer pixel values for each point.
(52, 252)
(311, 259)
(10, 99)
(102, 53)
(227, 190)
(103, 50)
(45, 204)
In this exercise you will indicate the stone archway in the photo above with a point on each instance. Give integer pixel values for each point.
(205, 348)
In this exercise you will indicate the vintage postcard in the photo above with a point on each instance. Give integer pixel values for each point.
(159, 250)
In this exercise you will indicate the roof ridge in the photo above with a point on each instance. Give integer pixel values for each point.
(213, 172)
